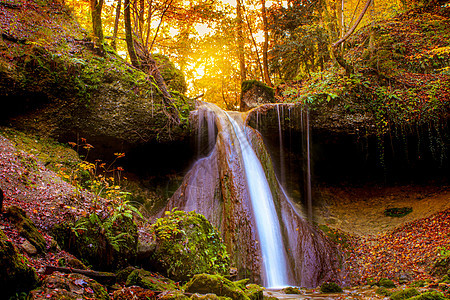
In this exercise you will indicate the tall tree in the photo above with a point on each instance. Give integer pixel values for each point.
(240, 40)
(129, 34)
(265, 44)
(96, 14)
(339, 55)
(116, 24)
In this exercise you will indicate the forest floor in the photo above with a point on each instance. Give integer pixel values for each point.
(376, 245)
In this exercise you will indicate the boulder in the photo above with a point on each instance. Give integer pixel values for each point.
(69, 286)
(26, 227)
(149, 280)
(254, 93)
(15, 273)
(215, 284)
(108, 244)
(183, 238)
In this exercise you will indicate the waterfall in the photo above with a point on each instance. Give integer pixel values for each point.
(267, 223)
(280, 135)
(236, 188)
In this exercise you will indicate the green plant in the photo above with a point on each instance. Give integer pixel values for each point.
(385, 282)
(330, 287)
(404, 294)
(397, 212)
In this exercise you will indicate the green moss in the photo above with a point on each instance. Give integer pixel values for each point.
(15, 274)
(397, 212)
(335, 235)
(419, 283)
(108, 244)
(149, 280)
(215, 284)
(330, 287)
(52, 154)
(254, 291)
(26, 227)
(385, 282)
(433, 295)
(188, 237)
(249, 84)
(291, 290)
(383, 291)
(404, 294)
(173, 77)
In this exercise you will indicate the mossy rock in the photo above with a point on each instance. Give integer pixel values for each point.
(215, 284)
(383, 291)
(108, 244)
(133, 292)
(255, 93)
(122, 275)
(385, 282)
(441, 266)
(291, 290)
(404, 294)
(433, 295)
(397, 212)
(371, 281)
(187, 244)
(15, 274)
(445, 279)
(254, 291)
(330, 287)
(419, 283)
(208, 297)
(149, 280)
(173, 77)
(69, 286)
(26, 227)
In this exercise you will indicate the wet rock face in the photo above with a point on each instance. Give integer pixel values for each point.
(15, 274)
(254, 93)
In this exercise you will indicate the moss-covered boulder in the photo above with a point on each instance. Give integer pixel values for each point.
(291, 290)
(432, 295)
(187, 244)
(69, 287)
(26, 227)
(254, 291)
(330, 287)
(173, 77)
(385, 282)
(150, 281)
(404, 294)
(15, 273)
(215, 284)
(107, 244)
(254, 93)
(441, 266)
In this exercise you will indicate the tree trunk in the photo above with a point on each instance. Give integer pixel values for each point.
(129, 34)
(372, 29)
(116, 24)
(339, 55)
(96, 14)
(266, 44)
(240, 41)
(256, 47)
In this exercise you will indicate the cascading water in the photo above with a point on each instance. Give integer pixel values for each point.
(267, 223)
(236, 188)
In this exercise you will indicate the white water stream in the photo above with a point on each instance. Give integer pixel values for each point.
(267, 223)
